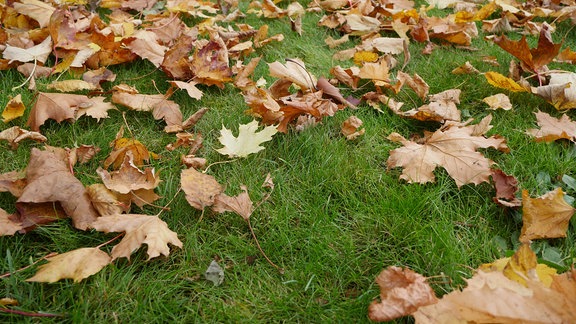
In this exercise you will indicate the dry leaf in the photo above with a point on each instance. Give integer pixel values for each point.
(465, 68)
(552, 129)
(248, 140)
(140, 229)
(499, 81)
(295, 71)
(95, 108)
(77, 264)
(57, 106)
(350, 128)
(506, 187)
(547, 216)
(241, 204)
(14, 135)
(402, 292)
(71, 85)
(454, 149)
(106, 201)
(129, 177)
(560, 91)
(190, 88)
(200, 189)
(498, 101)
(38, 53)
(14, 108)
(122, 146)
(9, 224)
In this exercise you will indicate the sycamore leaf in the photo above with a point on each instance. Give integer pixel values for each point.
(552, 129)
(453, 148)
(38, 53)
(140, 229)
(200, 189)
(9, 224)
(498, 101)
(129, 177)
(547, 216)
(506, 187)
(57, 106)
(14, 135)
(77, 264)
(241, 204)
(248, 140)
(402, 291)
(499, 81)
(14, 108)
(49, 180)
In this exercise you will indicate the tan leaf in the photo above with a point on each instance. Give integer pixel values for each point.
(552, 129)
(547, 216)
(129, 177)
(416, 83)
(295, 71)
(442, 108)
(465, 68)
(190, 88)
(14, 108)
(145, 44)
(140, 229)
(84, 153)
(454, 149)
(241, 204)
(38, 53)
(96, 108)
(331, 42)
(402, 292)
(560, 91)
(200, 189)
(377, 72)
(35, 9)
(14, 135)
(13, 181)
(71, 85)
(217, 72)
(498, 101)
(122, 146)
(76, 264)
(96, 77)
(50, 180)
(32, 215)
(106, 201)
(9, 224)
(142, 197)
(350, 128)
(248, 140)
(57, 106)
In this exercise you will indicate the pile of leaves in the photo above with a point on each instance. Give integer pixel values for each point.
(40, 39)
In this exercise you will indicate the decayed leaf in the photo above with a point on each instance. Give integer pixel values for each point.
(140, 229)
(241, 204)
(506, 187)
(547, 216)
(498, 101)
(9, 225)
(50, 180)
(402, 291)
(129, 177)
(454, 149)
(499, 81)
(77, 264)
(14, 108)
(200, 189)
(552, 129)
(350, 128)
(248, 140)
(14, 135)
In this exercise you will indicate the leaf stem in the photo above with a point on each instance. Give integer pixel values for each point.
(111, 240)
(29, 77)
(281, 270)
(8, 274)
(23, 313)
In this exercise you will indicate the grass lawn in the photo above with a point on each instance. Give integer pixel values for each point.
(336, 217)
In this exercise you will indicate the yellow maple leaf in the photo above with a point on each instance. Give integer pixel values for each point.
(499, 81)
(248, 140)
(14, 108)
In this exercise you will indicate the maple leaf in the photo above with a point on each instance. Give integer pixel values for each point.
(122, 146)
(248, 140)
(190, 88)
(295, 71)
(106, 201)
(350, 128)
(14, 108)
(139, 229)
(77, 264)
(129, 177)
(552, 129)
(453, 148)
(547, 216)
(498, 101)
(14, 135)
(49, 180)
(35, 9)
(13, 182)
(200, 189)
(9, 224)
(145, 44)
(210, 64)
(560, 91)
(442, 108)
(57, 106)
(241, 204)
(506, 187)
(38, 53)
(535, 58)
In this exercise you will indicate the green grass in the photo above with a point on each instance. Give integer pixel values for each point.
(335, 219)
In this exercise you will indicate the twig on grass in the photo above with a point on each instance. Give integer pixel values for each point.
(29, 314)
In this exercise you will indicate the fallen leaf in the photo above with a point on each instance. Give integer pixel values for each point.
(139, 229)
(402, 292)
(14, 108)
(57, 106)
(71, 85)
(129, 177)
(499, 81)
(552, 129)
(95, 108)
(350, 128)
(190, 88)
(35, 53)
(454, 149)
(122, 146)
(77, 264)
(498, 101)
(547, 216)
(35, 9)
(248, 140)
(560, 91)
(14, 135)
(106, 201)
(32, 215)
(200, 189)
(506, 187)
(214, 273)
(241, 204)
(295, 71)
(49, 180)
(9, 224)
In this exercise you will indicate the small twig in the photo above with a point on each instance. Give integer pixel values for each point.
(147, 203)
(128, 127)
(281, 270)
(220, 162)
(111, 240)
(8, 274)
(23, 313)
(168, 204)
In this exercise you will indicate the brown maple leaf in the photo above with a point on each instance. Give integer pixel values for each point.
(9, 224)
(547, 216)
(240, 204)
(139, 229)
(57, 106)
(210, 64)
(77, 264)
(14, 135)
(129, 177)
(50, 181)
(402, 292)
(453, 148)
(552, 129)
(506, 187)
(200, 189)
(106, 201)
